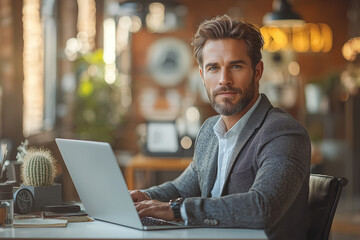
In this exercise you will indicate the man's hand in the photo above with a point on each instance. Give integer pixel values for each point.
(138, 196)
(154, 208)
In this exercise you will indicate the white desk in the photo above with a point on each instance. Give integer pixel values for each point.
(102, 230)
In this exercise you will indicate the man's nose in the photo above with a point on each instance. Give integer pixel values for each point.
(225, 77)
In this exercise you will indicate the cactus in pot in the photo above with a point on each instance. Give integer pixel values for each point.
(38, 171)
(38, 168)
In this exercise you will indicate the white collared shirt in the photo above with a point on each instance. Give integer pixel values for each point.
(227, 142)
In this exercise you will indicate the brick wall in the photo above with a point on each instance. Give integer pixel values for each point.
(11, 75)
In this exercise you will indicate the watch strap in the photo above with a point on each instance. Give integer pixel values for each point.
(175, 206)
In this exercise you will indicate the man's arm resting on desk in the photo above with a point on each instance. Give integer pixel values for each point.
(261, 207)
(277, 184)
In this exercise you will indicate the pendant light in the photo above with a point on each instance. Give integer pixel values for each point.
(283, 15)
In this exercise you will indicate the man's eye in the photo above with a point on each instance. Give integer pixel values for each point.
(213, 68)
(236, 66)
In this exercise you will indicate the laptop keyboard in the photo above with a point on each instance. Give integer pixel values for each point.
(148, 221)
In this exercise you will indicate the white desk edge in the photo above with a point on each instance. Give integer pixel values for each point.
(103, 230)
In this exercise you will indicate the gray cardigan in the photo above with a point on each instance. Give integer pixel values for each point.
(267, 181)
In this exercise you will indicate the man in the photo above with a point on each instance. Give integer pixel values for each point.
(251, 164)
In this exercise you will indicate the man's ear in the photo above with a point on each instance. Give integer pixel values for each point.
(201, 74)
(259, 69)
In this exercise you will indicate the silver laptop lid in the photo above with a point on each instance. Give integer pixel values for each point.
(99, 182)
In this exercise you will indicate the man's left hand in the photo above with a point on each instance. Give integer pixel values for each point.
(154, 208)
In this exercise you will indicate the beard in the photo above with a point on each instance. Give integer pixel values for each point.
(227, 108)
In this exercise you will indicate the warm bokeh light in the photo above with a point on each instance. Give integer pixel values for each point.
(110, 73)
(109, 41)
(86, 23)
(72, 47)
(327, 34)
(33, 61)
(192, 114)
(186, 142)
(122, 33)
(156, 17)
(351, 49)
(275, 38)
(301, 39)
(136, 24)
(109, 50)
(310, 37)
(316, 42)
(294, 68)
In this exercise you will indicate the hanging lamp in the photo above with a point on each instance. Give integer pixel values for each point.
(283, 15)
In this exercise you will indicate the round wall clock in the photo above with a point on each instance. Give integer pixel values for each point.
(23, 201)
(169, 61)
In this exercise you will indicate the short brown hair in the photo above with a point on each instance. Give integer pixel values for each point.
(222, 27)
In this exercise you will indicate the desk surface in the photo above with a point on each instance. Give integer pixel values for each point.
(102, 230)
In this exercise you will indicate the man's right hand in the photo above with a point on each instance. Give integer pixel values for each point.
(138, 196)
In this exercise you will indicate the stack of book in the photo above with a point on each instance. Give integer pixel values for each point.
(80, 216)
(53, 216)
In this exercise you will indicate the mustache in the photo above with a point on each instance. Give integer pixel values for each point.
(217, 91)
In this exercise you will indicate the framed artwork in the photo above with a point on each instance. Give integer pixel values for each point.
(161, 139)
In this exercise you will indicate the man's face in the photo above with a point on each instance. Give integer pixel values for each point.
(227, 73)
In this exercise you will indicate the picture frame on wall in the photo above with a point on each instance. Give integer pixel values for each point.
(162, 139)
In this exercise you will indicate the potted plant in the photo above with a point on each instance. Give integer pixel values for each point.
(38, 170)
(98, 107)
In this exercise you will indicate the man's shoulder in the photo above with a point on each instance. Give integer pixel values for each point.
(280, 116)
(278, 120)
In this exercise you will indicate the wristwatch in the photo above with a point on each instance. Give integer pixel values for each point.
(175, 207)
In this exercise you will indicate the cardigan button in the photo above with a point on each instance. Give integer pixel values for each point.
(214, 222)
(211, 222)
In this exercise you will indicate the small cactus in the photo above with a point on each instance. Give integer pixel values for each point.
(38, 168)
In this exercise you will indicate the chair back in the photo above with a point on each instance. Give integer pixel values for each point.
(324, 195)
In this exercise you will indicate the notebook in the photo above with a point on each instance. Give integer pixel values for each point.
(101, 185)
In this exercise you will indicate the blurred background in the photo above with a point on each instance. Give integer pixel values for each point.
(123, 72)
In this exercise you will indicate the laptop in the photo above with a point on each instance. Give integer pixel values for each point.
(101, 185)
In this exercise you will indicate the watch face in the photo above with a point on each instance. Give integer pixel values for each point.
(23, 201)
(169, 61)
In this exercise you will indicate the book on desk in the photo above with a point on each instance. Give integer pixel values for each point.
(40, 222)
(80, 216)
(50, 219)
